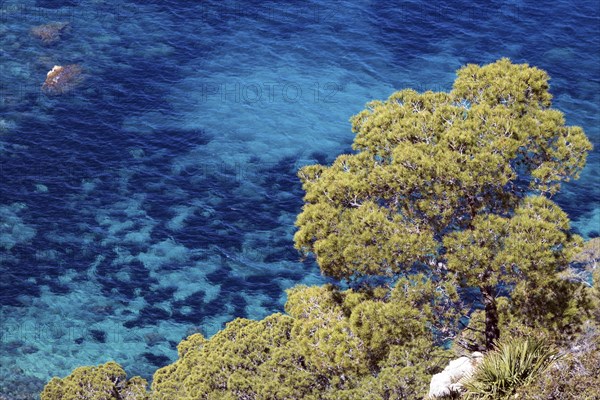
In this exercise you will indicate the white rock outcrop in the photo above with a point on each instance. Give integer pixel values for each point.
(450, 379)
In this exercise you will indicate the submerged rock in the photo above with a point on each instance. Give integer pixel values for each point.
(98, 335)
(60, 80)
(450, 380)
(50, 33)
(6, 125)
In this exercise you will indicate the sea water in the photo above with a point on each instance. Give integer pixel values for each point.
(158, 198)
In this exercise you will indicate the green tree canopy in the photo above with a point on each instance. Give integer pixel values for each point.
(104, 382)
(455, 184)
(331, 345)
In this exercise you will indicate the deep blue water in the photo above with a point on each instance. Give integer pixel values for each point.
(158, 198)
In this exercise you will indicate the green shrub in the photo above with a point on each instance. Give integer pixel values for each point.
(514, 363)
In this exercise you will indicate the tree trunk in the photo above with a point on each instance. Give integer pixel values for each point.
(492, 331)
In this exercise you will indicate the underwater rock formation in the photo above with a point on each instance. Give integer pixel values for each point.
(50, 33)
(61, 79)
(6, 125)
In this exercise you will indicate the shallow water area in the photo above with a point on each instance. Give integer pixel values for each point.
(158, 198)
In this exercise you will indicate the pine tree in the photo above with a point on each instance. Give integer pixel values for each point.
(456, 185)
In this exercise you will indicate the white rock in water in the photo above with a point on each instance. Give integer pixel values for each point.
(448, 381)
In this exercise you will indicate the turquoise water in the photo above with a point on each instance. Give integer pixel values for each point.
(158, 199)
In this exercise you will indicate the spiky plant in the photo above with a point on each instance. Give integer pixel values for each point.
(512, 364)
